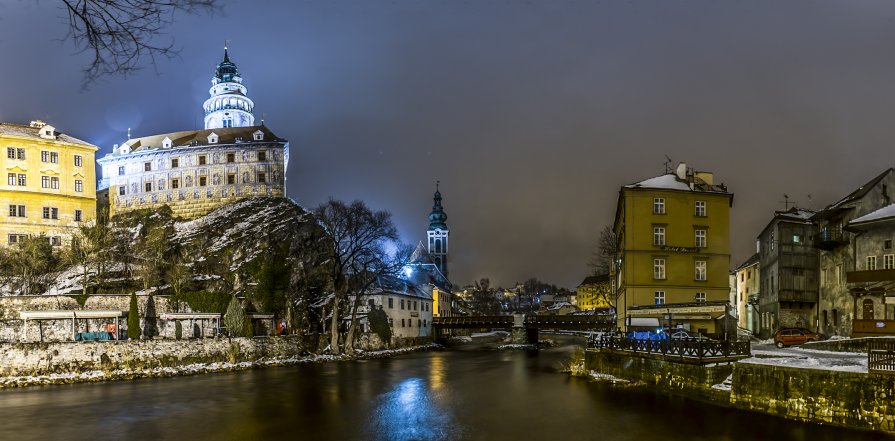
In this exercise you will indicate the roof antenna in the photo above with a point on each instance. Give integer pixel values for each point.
(786, 203)
(668, 165)
(437, 182)
(128, 133)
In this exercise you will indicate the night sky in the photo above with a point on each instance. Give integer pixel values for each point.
(531, 113)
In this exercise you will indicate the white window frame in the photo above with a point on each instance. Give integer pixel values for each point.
(659, 268)
(658, 205)
(701, 269)
(79, 161)
(889, 261)
(658, 235)
(871, 263)
(701, 238)
(700, 297)
(700, 209)
(659, 297)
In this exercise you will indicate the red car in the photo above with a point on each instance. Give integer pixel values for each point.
(793, 336)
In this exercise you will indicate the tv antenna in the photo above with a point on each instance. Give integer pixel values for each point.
(668, 163)
(786, 202)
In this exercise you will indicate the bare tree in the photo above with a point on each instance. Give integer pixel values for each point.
(88, 250)
(606, 249)
(121, 34)
(29, 266)
(355, 232)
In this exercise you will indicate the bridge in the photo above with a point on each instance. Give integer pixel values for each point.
(525, 328)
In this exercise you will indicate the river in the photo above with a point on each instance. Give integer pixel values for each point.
(460, 394)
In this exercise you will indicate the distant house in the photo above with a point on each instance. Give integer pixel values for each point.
(559, 308)
(408, 307)
(593, 292)
(856, 260)
(747, 293)
(788, 289)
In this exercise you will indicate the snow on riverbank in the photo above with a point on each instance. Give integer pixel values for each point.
(808, 359)
(196, 368)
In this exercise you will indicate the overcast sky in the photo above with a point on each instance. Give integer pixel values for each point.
(532, 113)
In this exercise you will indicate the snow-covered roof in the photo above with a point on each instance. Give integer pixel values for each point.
(34, 132)
(797, 213)
(883, 213)
(667, 181)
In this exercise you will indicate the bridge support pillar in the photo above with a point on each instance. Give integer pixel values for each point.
(522, 335)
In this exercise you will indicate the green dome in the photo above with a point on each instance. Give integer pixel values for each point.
(437, 216)
(226, 70)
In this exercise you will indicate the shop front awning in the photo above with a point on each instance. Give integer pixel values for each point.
(644, 322)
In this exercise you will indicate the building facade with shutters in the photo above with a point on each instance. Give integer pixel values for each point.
(674, 252)
(50, 185)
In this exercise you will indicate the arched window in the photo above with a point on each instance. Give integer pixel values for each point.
(835, 317)
(437, 245)
(826, 319)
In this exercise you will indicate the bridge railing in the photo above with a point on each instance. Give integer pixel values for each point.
(691, 350)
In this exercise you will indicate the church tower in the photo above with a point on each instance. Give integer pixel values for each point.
(438, 234)
(228, 105)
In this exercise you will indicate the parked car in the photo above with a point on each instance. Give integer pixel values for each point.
(793, 336)
(683, 334)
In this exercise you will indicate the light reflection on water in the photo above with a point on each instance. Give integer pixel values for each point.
(409, 412)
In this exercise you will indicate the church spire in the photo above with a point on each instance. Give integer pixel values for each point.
(438, 233)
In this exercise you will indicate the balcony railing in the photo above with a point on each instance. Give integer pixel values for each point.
(829, 239)
(692, 351)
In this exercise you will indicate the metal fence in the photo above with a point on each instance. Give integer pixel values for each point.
(691, 350)
(881, 357)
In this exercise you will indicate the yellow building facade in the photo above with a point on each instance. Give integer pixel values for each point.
(674, 252)
(50, 185)
(593, 293)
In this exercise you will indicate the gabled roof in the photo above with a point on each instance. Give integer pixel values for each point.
(395, 285)
(752, 260)
(34, 132)
(885, 213)
(593, 280)
(421, 255)
(192, 138)
(862, 190)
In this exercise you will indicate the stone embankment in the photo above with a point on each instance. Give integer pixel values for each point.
(855, 400)
(26, 364)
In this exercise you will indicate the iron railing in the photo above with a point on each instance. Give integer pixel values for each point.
(692, 349)
(881, 357)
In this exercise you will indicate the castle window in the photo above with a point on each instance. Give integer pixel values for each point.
(175, 162)
(175, 183)
(147, 186)
(78, 161)
(56, 241)
(147, 166)
(50, 213)
(231, 179)
(78, 215)
(10, 153)
(203, 160)
(121, 170)
(231, 157)
(203, 181)
(262, 178)
(213, 138)
(166, 143)
(51, 157)
(262, 156)
(20, 154)
(17, 211)
(79, 185)
(258, 135)
(121, 190)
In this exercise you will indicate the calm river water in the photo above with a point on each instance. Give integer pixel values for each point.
(449, 395)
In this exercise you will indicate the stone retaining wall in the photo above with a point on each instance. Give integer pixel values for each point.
(858, 345)
(847, 399)
(689, 380)
(19, 359)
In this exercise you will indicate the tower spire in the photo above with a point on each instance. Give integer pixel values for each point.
(228, 104)
(438, 232)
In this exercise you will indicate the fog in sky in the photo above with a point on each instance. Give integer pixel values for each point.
(531, 113)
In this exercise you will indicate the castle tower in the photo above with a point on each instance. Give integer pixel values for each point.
(228, 105)
(438, 234)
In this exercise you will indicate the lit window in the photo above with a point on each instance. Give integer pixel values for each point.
(658, 235)
(659, 297)
(700, 270)
(700, 239)
(700, 208)
(796, 238)
(659, 269)
(659, 205)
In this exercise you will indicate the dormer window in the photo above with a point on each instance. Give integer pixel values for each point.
(213, 138)
(258, 135)
(166, 143)
(48, 132)
(125, 149)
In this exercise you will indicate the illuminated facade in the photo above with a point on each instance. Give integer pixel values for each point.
(593, 293)
(50, 183)
(197, 171)
(674, 257)
(438, 234)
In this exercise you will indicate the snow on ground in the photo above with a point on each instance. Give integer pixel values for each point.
(807, 358)
(501, 334)
(195, 368)
(517, 346)
(724, 385)
(606, 377)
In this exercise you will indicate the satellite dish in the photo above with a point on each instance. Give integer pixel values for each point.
(682, 171)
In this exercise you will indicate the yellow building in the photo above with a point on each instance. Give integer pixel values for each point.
(593, 293)
(50, 185)
(674, 257)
